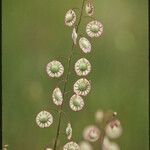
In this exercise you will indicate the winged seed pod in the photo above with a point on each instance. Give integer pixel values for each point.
(94, 29)
(89, 8)
(108, 145)
(74, 36)
(85, 45)
(44, 119)
(70, 18)
(84, 145)
(69, 131)
(57, 96)
(71, 146)
(54, 69)
(76, 102)
(82, 87)
(82, 67)
(114, 129)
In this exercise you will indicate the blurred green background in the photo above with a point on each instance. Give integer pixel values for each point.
(34, 33)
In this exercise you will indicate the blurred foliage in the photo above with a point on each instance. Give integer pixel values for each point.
(34, 33)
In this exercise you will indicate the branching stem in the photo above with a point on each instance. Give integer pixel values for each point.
(66, 79)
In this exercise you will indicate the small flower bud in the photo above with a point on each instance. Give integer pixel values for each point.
(69, 131)
(114, 113)
(74, 36)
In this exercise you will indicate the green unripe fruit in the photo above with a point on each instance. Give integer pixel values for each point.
(76, 102)
(54, 68)
(82, 86)
(83, 66)
(95, 28)
(43, 120)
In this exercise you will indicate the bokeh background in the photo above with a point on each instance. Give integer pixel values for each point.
(34, 33)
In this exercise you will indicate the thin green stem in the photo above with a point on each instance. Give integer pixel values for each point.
(66, 116)
(89, 17)
(66, 80)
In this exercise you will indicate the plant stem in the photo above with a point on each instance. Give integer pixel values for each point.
(66, 79)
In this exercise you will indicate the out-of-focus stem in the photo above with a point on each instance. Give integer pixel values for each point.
(66, 79)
